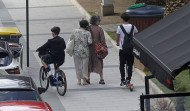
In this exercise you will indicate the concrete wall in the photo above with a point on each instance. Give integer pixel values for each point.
(107, 7)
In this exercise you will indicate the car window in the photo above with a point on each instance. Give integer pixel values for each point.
(4, 37)
(18, 95)
(4, 59)
(14, 39)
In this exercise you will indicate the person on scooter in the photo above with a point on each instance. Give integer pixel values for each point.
(125, 57)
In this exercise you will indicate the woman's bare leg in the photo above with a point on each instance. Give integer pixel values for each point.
(101, 78)
(88, 80)
(101, 75)
(89, 76)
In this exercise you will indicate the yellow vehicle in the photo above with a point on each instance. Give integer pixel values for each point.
(10, 34)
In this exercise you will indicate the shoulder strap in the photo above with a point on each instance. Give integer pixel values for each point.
(92, 35)
(124, 31)
(91, 32)
(132, 28)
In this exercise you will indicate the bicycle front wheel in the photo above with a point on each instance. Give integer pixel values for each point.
(62, 87)
(44, 80)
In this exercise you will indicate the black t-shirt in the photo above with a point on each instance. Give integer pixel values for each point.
(55, 46)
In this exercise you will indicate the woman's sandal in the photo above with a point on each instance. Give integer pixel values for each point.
(101, 82)
(88, 81)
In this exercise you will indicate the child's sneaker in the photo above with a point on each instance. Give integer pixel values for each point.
(122, 83)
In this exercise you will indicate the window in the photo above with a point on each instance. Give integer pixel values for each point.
(18, 95)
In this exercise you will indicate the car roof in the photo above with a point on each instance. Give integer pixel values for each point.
(16, 82)
(22, 106)
(9, 31)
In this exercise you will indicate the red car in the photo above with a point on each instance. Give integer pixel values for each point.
(19, 93)
(24, 106)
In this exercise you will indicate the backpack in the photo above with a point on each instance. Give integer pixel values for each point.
(127, 42)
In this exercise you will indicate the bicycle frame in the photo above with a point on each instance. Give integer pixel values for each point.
(54, 75)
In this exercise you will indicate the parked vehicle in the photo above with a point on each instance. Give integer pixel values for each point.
(24, 106)
(11, 51)
(10, 34)
(10, 59)
(20, 93)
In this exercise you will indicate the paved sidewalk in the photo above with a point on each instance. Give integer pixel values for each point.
(93, 97)
(83, 7)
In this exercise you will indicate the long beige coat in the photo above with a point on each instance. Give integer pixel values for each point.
(95, 64)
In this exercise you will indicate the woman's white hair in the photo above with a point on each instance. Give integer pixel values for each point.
(94, 19)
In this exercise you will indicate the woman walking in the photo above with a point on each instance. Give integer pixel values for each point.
(95, 63)
(82, 40)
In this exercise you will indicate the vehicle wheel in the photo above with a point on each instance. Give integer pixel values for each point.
(44, 80)
(62, 87)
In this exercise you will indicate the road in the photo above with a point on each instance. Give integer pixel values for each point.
(43, 15)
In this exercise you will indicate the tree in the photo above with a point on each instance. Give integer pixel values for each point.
(173, 5)
(153, 2)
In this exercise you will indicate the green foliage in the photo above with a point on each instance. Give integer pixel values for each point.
(181, 83)
(147, 73)
(153, 2)
(91, 13)
(112, 34)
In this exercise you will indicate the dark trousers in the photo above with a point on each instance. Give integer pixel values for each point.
(128, 59)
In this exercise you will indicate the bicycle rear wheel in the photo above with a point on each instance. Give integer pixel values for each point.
(62, 86)
(44, 80)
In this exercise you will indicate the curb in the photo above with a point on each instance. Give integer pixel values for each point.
(81, 9)
(153, 86)
(109, 39)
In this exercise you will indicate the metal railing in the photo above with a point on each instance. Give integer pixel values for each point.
(149, 96)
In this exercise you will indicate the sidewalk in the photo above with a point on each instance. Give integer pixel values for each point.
(93, 97)
(120, 6)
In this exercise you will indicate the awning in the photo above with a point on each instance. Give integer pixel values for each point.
(164, 47)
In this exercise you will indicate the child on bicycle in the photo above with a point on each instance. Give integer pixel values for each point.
(53, 50)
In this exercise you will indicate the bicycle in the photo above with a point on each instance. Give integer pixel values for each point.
(58, 79)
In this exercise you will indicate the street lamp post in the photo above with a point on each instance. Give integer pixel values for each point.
(27, 32)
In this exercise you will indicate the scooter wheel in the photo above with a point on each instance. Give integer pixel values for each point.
(131, 88)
